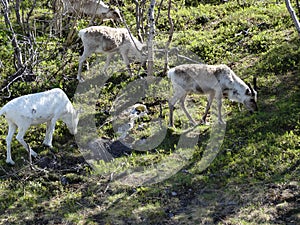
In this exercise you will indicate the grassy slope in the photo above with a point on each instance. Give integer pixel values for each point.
(253, 180)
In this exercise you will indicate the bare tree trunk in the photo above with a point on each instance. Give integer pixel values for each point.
(170, 38)
(17, 9)
(58, 11)
(138, 19)
(25, 52)
(150, 38)
(159, 8)
(293, 15)
(17, 50)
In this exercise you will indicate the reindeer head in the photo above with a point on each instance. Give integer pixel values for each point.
(114, 14)
(71, 120)
(250, 99)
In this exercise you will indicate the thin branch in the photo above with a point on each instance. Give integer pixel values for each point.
(170, 37)
(14, 40)
(17, 9)
(138, 19)
(17, 75)
(293, 15)
(150, 38)
(127, 27)
(158, 13)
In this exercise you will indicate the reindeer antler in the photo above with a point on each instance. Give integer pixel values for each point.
(255, 84)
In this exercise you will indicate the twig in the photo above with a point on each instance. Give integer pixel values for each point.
(21, 70)
(185, 57)
(170, 38)
(175, 50)
(124, 22)
(151, 36)
(158, 12)
(110, 179)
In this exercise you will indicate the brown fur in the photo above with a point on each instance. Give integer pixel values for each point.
(216, 81)
(108, 40)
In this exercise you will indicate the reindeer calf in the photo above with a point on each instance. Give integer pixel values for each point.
(103, 39)
(34, 109)
(216, 81)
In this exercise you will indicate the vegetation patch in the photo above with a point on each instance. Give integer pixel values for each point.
(253, 178)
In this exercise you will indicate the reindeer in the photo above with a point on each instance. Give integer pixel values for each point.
(216, 81)
(34, 109)
(95, 8)
(103, 39)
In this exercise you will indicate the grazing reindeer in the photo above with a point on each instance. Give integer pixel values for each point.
(103, 39)
(215, 81)
(94, 8)
(34, 109)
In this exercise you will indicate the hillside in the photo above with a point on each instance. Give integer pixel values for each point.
(244, 172)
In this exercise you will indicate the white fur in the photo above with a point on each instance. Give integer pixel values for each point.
(103, 39)
(216, 81)
(33, 109)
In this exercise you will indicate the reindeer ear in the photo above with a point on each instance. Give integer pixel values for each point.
(251, 91)
(255, 84)
(248, 92)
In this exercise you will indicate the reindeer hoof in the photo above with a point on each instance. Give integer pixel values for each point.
(33, 153)
(80, 79)
(221, 122)
(47, 145)
(204, 122)
(11, 162)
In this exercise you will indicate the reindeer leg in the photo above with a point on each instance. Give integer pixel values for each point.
(178, 93)
(20, 138)
(210, 98)
(172, 102)
(219, 105)
(82, 58)
(49, 133)
(126, 61)
(11, 130)
(107, 62)
(171, 108)
(79, 70)
(181, 101)
(30, 156)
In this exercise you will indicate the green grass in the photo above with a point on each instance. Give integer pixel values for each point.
(253, 177)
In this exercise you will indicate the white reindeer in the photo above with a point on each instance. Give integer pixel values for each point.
(216, 81)
(103, 39)
(95, 8)
(34, 109)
